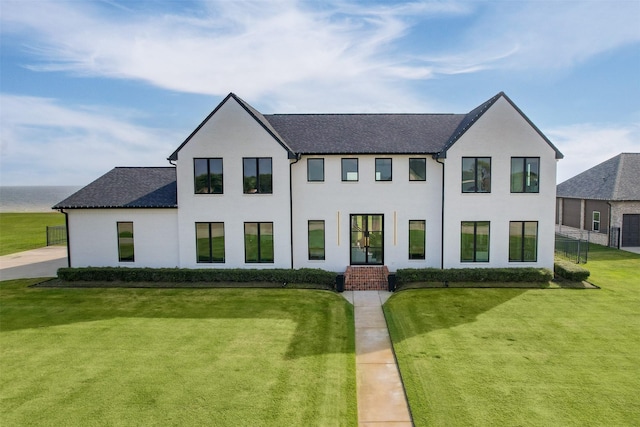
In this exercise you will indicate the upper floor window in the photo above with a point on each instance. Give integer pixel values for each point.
(417, 169)
(524, 174)
(349, 169)
(417, 233)
(383, 169)
(316, 239)
(595, 223)
(474, 241)
(476, 174)
(207, 176)
(258, 175)
(315, 170)
(210, 241)
(125, 242)
(523, 241)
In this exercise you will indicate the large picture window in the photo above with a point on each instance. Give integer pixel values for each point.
(316, 240)
(476, 174)
(125, 242)
(349, 169)
(474, 241)
(258, 175)
(525, 174)
(523, 241)
(383, 169)
(210, 242)
(315, 170)
(258, 242)
(207, 176)
(417, 239)
(417, 169)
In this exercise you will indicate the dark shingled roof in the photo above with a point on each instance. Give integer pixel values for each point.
(144, 187)
(616, 179)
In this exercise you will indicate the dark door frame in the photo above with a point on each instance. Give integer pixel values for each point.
(364, 243)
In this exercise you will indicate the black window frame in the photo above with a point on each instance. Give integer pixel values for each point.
(521, 238)
(211, 259)
(209, 186)
(525, 188)
(423, 160)
(390, 160)
(315, 159)
(475, 241)
(424, 240)
(261, 180)
(121, 243)
(324, 241)
(344, 172)
(259, 227)
(478, 181)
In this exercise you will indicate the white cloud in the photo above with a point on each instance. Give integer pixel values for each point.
(586, 145)
(41, 139)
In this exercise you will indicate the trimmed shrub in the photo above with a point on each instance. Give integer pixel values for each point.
(570, 271)
(536, 275)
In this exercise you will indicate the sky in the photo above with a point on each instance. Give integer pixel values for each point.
(86, 85)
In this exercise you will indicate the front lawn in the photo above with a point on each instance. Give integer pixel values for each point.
(510, 357)
(223, 357)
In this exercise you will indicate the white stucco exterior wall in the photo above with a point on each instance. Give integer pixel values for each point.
(501, 133)
(93, 237)
(399, 200)
(232, 134)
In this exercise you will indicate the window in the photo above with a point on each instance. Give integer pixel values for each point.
(474, 241)
(476, 174)
(417, 233)
(523, 241)
(315, 169)
(596, 221)
(207, 176)
(210, 241)
(125, 241)
(417, 169)
(524, 174)
(258, 242)
(383, 169)
(258, 176)
(316, 240)
(349, 169)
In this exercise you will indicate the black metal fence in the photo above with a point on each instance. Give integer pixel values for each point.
(56, 235)
(573, 248)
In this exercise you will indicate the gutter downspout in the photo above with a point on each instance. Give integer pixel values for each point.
(436, 157)
(66, 225)
(298, 157)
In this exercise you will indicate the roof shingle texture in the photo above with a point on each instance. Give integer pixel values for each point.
(616, 179)
(143, 187)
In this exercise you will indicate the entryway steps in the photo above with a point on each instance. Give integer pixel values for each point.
(366, 278)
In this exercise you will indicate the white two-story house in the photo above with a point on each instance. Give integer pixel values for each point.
(247, 190)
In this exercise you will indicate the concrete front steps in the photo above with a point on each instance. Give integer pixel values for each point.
(369, 278)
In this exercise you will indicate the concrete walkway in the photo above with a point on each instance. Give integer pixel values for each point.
(41, 262)
(381, 397)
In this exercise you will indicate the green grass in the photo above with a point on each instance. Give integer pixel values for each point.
(24, 231)
(511, 357)
(175, 357)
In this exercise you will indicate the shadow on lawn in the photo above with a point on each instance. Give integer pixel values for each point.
(415, 312)
(324, 320)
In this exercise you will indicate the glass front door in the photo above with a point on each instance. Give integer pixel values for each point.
(367, 239)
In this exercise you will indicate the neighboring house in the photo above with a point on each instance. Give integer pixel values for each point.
(328, 191)
(604, 201)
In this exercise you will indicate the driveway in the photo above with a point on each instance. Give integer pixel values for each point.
(41, 262)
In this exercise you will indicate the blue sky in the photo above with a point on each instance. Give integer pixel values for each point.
(89, 85)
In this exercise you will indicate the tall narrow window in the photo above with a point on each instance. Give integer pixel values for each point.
(258, 175)
(207, 176)
(258, 242)
(383, 169)
(315, 170)
(349, 169)
(476, 174)
(524, 174)
(474, 241)
(210, 242)
(125, 241)
(523, 241)
(417, 239)
(417, 169)
(316, 240)
(595, 221)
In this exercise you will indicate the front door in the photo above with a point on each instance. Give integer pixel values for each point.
(367, 239)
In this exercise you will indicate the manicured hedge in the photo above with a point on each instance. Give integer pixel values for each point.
(536, 275)
(325, 279)
(570, 271)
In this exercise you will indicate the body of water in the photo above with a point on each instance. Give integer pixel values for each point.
(33, 198)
